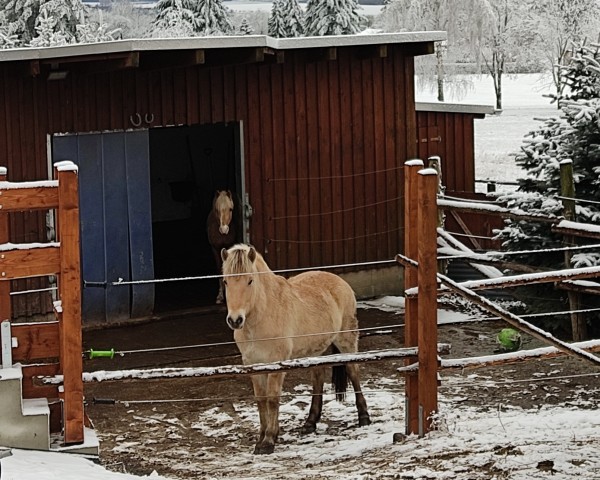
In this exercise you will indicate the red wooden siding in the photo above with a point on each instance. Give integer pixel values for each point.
(449, 135)
(324, 141)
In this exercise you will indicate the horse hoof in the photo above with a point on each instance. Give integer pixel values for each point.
(308, 428)
(264, 449)
(364, 421)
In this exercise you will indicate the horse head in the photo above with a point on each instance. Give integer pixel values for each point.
(223, 209)
(239, 268)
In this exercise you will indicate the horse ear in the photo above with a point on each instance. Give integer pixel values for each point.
(224, 254)
(252, 254)
(229, 193)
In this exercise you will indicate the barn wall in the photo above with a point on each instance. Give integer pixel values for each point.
(451, 137)
(324, 141)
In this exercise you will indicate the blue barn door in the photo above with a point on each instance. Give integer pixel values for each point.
(116, 221)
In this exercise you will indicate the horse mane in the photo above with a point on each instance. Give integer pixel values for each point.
(238, 261)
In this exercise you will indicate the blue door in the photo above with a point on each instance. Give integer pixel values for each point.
(116, 221)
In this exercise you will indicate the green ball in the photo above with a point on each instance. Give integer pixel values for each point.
(509, 339)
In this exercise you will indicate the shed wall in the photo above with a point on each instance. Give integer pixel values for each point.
(324, 141)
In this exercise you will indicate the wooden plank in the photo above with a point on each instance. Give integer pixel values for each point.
(336, 161)
(325, 182)
(427, 304)
(116, 226)
(140, 221)
(35, 341)
(358, 164)
(232, 371)
(368, 163)
(29, 262)
(5, 304)
(292, 195)
(28, 198)
(279, 221)
(70, 296)
(517, 322)
(411, 319)
(315, 234)
(32, 387)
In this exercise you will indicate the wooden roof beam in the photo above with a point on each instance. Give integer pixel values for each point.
(322, 54)
(172, 59)
(238, 56)
(372, 51)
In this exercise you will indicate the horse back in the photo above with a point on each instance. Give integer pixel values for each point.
(318, 286)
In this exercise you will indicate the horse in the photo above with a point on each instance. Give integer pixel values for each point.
(221, 229)
(274, 318)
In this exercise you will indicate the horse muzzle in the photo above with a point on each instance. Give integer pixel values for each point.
(236, 323)
(224, 229)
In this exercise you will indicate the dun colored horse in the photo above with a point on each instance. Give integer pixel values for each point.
(221, 229)
(274, 318)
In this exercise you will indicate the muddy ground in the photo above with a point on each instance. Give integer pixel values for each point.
(171, 434)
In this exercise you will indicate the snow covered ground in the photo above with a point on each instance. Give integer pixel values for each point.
(558, 440)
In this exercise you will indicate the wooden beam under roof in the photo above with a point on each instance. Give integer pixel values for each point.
(159, 60)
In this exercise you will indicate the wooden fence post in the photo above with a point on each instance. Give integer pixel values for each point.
(567, 191)
(427, 305)
(70, 296)
(5, 308)
(411, 318)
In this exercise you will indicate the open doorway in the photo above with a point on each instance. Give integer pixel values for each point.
(187, 165)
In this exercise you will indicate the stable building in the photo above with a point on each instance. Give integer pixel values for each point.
(311, 134)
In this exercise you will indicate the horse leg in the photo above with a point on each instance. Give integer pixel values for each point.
(316, 405)
(259, 382)
(274, 385)
(361, 403)
(219, 263)
(347, 343)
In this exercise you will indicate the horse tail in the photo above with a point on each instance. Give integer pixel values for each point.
(339, 378)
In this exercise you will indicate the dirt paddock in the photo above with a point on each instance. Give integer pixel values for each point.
(191, 428)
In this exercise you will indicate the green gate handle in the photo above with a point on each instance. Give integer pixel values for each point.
(102, 353)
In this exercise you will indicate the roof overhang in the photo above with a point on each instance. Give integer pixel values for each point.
(480, 110)
(123, 47)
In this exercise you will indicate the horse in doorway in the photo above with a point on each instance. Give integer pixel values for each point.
(221, 229)
(274, 318)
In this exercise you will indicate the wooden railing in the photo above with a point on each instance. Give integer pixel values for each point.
(55, 346)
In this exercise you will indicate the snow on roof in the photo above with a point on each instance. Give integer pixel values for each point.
(454, 108)
(242, 41)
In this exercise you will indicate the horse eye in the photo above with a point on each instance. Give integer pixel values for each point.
(225, 282)
(250, 282)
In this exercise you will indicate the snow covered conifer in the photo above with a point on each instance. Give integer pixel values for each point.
(213, 18)
(294, 18)
(174, 19)
(245, 28)
(276, 23)
(332, 17)
(572, 135)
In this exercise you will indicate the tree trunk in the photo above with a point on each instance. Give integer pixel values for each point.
(440, 73)
(567, 190)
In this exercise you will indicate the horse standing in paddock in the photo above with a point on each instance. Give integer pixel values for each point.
(221, 229)
(301, 316)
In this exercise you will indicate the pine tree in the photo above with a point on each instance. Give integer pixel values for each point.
(276, 25)
(174, 19)
(213, 18)
(7, 40)
(286, 19)
(332, 17)
(245, 27)
(572, 135)
(294, 18)
(19, 18)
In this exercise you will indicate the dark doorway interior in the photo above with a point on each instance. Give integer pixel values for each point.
(187, 165)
